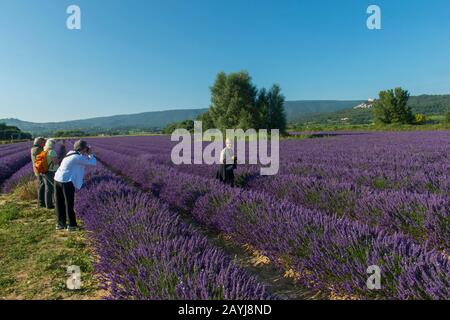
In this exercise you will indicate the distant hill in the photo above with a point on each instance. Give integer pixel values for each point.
(296, 109)
(429, 105)
(142, 121)
(304, 111)
(159, 119)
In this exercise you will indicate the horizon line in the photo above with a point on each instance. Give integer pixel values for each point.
(190, 108)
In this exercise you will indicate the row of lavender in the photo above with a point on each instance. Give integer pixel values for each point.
(10, 149)
(12, 146)
(324, 251)
(12, 158)
(20, 176)
(424, 217)
(146, 252)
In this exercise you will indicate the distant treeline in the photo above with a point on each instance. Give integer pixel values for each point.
(96, 132)
(12, 133)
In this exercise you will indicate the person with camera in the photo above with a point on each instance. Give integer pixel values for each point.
(69, 177)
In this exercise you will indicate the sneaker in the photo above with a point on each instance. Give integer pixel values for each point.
(59, 228)
(73, 229)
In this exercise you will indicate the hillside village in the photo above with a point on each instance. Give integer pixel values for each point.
(365, 105)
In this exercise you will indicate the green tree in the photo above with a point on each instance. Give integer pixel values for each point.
(276, 107)
(420, 118)
(70, 133)
(392, 107)
(447, 117)
(233, 101)
(262, 103)
(185, 124)
(236, 103)
(271, 107)
(218, 104)
(207, 120)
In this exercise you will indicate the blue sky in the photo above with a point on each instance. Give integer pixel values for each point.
(144, 55)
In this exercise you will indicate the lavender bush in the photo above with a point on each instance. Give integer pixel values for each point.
(8, 150)
(423, 217)
(10, 164)
(22, 175)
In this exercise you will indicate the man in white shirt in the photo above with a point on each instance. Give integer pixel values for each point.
(69, 177)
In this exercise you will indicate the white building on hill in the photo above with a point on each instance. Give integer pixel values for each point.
(365, 105)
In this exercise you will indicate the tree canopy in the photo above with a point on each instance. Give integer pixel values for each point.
(236, 103)
(392, 107)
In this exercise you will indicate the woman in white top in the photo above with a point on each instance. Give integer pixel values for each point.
(227, 164)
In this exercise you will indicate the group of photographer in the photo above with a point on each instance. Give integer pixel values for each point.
(58, 175)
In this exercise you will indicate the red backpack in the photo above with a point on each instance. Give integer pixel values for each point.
(41, 164)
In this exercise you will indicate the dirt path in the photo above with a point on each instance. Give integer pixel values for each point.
(279, 284)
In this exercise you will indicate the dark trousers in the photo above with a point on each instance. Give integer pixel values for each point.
(49, 189)
(230, 175)
(226, 174)
(41, 190)
(65, 198)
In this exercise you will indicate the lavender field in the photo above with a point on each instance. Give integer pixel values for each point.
(338, 205)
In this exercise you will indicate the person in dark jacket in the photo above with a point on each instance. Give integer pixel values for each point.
(227, 164)
(38, 147)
